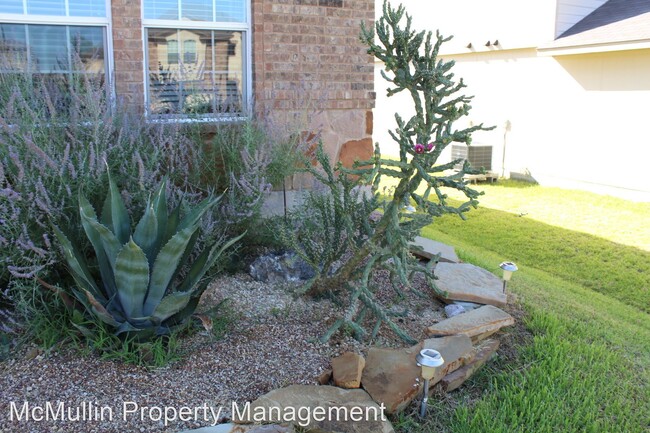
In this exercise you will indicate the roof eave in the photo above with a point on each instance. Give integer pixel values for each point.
(551, 50)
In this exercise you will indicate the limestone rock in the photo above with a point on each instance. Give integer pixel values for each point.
(392, 377)
(347, 369)
(466, 282)
(325, 409)
(428, 249)
(455, 379)
(456, 350)
(325, 377)
(476, 324)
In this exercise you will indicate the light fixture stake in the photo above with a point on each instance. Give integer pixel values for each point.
(508, 269)
(429, 360)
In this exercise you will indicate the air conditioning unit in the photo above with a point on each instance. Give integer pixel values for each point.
(479, 156)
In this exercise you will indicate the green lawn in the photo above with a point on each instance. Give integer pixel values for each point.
(584, 286)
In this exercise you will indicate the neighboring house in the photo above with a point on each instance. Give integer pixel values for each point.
(172, 58)
(565, 82)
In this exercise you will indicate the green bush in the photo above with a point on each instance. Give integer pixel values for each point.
(146, 287)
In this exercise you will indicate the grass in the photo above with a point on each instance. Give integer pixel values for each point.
(617, 267)
(586, 367)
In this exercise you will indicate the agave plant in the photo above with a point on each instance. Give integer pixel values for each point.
(146, 288)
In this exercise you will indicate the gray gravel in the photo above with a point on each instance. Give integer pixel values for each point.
(271, 344)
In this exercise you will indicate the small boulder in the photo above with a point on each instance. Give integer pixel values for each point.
(452, 310)
(325, 377)
(279, 268)
(347, 369)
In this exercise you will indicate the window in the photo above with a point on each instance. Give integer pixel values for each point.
(196, 56)
(189, 51)
(54, 38)
(172, 51)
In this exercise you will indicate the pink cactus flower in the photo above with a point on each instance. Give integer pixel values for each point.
(430, 146)
(419, 148)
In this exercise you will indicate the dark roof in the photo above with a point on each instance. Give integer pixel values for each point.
(616, 21)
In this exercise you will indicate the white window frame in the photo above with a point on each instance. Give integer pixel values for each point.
(62, 20)
(244, 27)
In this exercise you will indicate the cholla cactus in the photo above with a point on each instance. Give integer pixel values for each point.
(412, 66)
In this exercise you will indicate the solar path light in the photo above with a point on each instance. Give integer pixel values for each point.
(429, 360)
(508, 269)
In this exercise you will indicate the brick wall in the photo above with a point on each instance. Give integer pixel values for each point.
(128, 53)
(307, 56)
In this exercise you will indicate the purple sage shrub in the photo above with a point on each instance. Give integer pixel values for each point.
(57, 138)
(248, 159)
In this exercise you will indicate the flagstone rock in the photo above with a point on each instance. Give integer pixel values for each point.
(455, 379)
(476, 324)
(392, 377)
(325, 409)
(234, 428)
(466, 282)
(428, 249)
(347, 369)
(456, 350)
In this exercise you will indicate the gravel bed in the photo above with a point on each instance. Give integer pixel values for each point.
(271, 343)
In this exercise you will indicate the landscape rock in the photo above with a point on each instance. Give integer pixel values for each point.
(468, 306)
(347, 369)
(325, 409)
(279, 268)
(466, 282)
(428, 249)
(325, 377)
(392, 377)
(234, 428)
(476, 324)
(456, 350)
(455, 379)
(452, 310)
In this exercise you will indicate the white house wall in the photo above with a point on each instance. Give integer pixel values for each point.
(574, 121)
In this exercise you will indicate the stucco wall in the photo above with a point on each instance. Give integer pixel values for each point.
(574, 121)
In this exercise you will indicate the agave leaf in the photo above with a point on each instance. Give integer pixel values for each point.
(204, 262)
(105, 265)
(146, 232)
(77, 266)
(172, 223)
(187, 311)
(165, 266)
(171, 304)
(100, 311)
(186, 254)
(160, 208)
(131, 279)
(110, 243)
(114, 214)
(192, 218)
